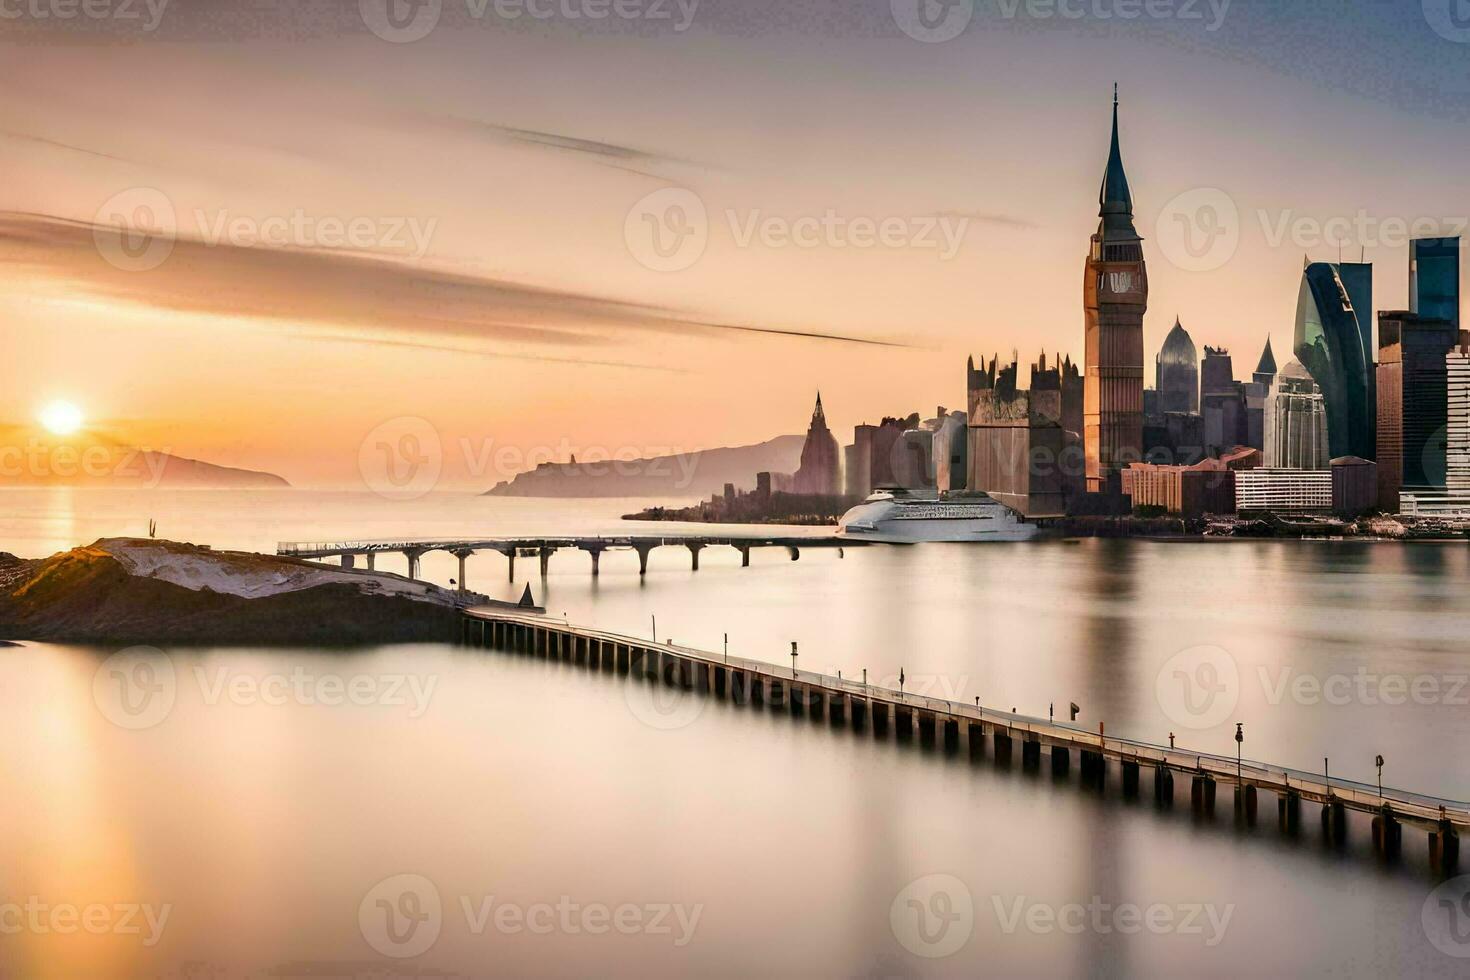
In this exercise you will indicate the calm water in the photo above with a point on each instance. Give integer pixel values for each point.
(555, 823)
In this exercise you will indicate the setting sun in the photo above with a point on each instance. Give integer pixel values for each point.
(61, 418)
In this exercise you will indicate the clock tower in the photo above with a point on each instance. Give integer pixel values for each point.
(1115, 296)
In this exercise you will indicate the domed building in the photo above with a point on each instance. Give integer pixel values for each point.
(1177, 372)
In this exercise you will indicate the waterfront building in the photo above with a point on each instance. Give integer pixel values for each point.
(1115, 297)
(950, 450)
(1176, 372)
(1457, 408)
(1206, 487)
(1354, 486)
(1016, 439)
(819, 472)
(1295, 422)
(1330, 342)
(858, 461)
(1177, 438)
(1434, 279)
(1278, 491)
(1413, 405)
(1222, 402)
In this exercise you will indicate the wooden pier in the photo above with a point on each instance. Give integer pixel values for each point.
(979, 730)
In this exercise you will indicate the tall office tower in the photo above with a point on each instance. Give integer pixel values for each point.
(1115, 296)
(1330, 343)
(1176, 372)
(859, 459)
(1222, 403)
(1413, 404)
(1434, 279)
(1457, 407)
(819, 472)
(1295, 422)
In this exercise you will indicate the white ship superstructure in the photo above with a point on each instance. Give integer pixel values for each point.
(900, 517)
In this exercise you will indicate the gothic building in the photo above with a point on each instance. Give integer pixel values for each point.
(1115, 296)
(820, 467)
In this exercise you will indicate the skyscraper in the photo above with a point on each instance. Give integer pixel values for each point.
(820, 462)
(1434, 279)
(1176, 372)
(1295, 422)
(1115, 296)
(1330, 343)
(1413, 404)
(1222, 403)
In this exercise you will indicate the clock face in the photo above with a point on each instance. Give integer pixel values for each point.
(1119, 282)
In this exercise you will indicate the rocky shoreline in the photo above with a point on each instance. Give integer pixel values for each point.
(124, 591)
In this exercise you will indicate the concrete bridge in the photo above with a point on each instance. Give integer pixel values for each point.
(850, 703)
(543, 548)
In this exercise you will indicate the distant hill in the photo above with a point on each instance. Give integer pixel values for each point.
(27, 460)
(696, 474)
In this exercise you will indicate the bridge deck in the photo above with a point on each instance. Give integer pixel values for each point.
(1429, 812)
(328, 549)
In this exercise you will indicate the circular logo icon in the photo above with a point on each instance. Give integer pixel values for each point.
(1199, 230)
(401, 916)
(1199, 687)
(934, 916)
(400, 21)
(932, 21)
(661, 706)
(135, 229)
(1446, 917)
(1449, 18)
(401, 459)
(668, 230)
(135, 688)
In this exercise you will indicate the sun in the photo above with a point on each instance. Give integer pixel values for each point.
(61, 418)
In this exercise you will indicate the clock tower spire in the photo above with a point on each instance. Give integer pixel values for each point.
(1114, 296)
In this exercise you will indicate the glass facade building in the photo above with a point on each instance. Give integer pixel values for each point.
(1330, 343)
(1434, 279)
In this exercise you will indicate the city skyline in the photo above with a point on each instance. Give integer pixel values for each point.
(522, 214)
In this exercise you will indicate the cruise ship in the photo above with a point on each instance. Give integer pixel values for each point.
(901, 517)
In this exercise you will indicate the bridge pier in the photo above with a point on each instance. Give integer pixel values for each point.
(1245, 804)
(1334, 822)
(1030, 755)
(1289, 812)
(837, 708)
(1130, 778)
(596, 554)
(463, 556)
(694, 550)
(349, 561)
(545, 554)
(1444, 848)
(927, 724)
(977, 740)
(1061, 762)
(1388, 834)
(1163, 786)
(1002, 747)
(793, 551)
(413, 557)
(1092, 768)
(859, 713)
(880, 718)
(903, 722)
(951, 734)
(643, 551)
(744, 555)
(372, 561)
(1202, 794)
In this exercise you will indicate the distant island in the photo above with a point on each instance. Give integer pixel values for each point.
(140, 590)
(31, 461)
(687, 475)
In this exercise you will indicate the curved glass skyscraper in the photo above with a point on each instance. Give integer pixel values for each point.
(1329, 342)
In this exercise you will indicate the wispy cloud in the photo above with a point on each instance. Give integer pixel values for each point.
(356, 296)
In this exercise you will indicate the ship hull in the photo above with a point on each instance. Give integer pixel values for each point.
(888, 522)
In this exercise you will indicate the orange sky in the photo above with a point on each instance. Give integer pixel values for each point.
(526, 315)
